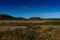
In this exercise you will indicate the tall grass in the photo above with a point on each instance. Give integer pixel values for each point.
(32, 33)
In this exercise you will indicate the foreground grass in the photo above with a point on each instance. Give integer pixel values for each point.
(32, 33)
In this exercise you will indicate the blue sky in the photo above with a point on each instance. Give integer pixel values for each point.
(31, 8)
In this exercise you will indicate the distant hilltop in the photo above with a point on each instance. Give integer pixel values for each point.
(8, 17)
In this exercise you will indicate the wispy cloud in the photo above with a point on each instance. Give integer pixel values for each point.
(51, 15)
(25, 7)
(13, 10)
(46, 15)
(44, 6)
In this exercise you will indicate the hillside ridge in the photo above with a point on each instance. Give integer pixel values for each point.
(9, 17)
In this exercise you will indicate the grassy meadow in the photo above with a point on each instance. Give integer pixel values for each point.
(47, 31)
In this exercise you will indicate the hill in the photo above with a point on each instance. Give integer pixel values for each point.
(6, 17)
(35, 18)
(21, 18)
